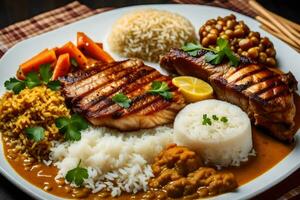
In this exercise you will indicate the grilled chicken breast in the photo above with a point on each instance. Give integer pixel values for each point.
(266, 96)
(90, 93)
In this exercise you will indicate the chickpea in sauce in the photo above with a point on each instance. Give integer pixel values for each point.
(243, 41)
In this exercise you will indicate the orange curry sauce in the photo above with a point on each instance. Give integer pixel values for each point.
(268, 153)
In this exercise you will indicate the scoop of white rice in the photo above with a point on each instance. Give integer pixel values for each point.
(149, 33)
(221, 143)
(117, 161)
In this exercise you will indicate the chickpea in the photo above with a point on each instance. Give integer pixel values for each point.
(262, 57)
(261, 48)
(214, 31)
(254, 40)
(208, 28)
(212, 38)
(265, 41)
(245, 53)
(253, 52)
(225, 37)
(204, 33)
(271, 61)
(229, 33)
(219, 27)
(221, 22)
(238, 32)
(205, 42)
(245, 44)
(230, 24)
(254, 34)
(232, 16)
(270, 52)
(239, 51)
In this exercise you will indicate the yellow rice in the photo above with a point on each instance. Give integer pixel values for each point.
(39, 106)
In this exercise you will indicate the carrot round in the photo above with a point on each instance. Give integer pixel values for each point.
(75, 53)
(33, 64)
(62, 66)
(92, 48)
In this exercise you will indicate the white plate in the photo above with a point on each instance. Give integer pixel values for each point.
(98, 27)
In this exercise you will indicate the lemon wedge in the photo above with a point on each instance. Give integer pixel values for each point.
(193, 89)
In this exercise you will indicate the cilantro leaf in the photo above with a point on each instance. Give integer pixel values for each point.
(161, 88)
(215, 117)
(32, 79)
(54, 85)
(224, 119)
(122, 100)
(209, 56)
(15, 85)
(234, 60)
(71, 127)
(206, 120)
(191, 47)
(74, 62)
(35, 133)
(77, 175)
(45, 73)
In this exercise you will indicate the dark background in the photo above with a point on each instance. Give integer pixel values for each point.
(12, 11)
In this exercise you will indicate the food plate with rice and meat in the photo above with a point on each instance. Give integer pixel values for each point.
(150, 102)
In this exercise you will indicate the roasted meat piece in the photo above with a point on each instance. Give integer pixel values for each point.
(90, 93)
(266, 95)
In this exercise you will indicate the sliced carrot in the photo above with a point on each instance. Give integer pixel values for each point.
(33, 64)
(75, 53)
(84, 42)
(62, 66)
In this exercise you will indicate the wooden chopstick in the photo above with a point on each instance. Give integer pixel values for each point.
(285, 39)
(281, 28)
(292, 24)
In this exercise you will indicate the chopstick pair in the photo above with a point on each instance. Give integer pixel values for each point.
(278, 26)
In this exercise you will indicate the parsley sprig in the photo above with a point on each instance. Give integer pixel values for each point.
(122, 100)
(161, 88)
(208, 121)
(33, 79)
(35, 133)
(214, 55)
(71, 127)
(77, 175)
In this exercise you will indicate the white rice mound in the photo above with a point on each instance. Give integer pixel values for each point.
(115, 161)
(149, 33)
(220, 144)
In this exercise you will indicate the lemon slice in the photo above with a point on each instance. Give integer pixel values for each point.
(193, 89)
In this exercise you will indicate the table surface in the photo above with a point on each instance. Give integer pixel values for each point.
(13, 11)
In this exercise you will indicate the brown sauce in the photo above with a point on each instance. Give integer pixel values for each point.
(269, 152)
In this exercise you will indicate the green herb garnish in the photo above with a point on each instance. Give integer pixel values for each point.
(71, 127)
(77, 175)
(54, 85)
(224, 119)
(32, 80)
(215, 55)
(206, 120)
(74, 62)
(46, 73)
(15, 85)
(122, 100)
(35, 133)
(161, 88)
(215, 117)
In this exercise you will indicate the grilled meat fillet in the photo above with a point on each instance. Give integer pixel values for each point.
(90, 93)
(265, 95)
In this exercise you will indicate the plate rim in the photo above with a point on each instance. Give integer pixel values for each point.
(40, 195)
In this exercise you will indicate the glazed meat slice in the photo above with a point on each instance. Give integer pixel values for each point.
(90, 93)
(266, 95)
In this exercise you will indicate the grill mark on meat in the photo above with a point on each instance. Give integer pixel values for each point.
(243, 72)
(97, 80)
(254, 78)
(102, 108)
(95, 96)
(273, 92)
